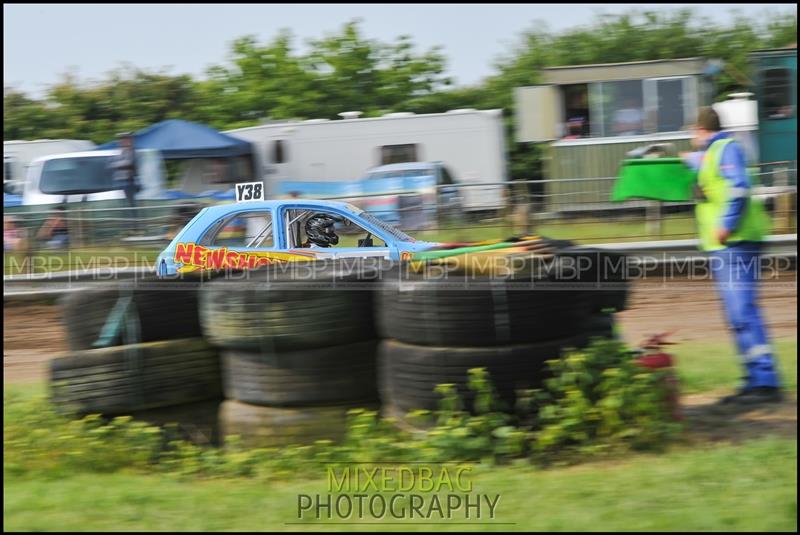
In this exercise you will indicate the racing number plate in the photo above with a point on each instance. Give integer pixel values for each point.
(249, 191)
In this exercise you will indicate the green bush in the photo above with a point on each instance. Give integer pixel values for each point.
(35, 438)
(596, 401)
(599, 399)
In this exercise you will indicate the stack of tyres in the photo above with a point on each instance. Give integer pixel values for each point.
(298, 352)
(437, 330)
(159, 309)
(121, 380)
(135, 349)
(603, 271)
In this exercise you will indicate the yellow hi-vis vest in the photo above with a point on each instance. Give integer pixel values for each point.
(754, 222)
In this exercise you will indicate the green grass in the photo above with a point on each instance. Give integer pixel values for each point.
(748, 486)
(752, 486)
(589, 230)
(581, 230)
(704, 366)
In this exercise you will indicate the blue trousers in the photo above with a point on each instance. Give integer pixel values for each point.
(736, 270)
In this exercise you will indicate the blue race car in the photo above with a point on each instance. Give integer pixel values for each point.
(249, 234)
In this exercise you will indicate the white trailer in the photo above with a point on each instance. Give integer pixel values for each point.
(18, 155)
(470, 143)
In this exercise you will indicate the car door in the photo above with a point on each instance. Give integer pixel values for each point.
(242, 239)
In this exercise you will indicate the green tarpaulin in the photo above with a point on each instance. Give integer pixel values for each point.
(659, 179)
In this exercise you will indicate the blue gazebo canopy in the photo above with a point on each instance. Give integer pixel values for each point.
(178, 139)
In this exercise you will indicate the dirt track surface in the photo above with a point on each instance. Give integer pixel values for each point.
(709, 421)
(32, 335)
(693, 311)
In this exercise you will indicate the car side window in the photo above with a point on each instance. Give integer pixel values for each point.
(446, 177)
(241, 230)
(349, 232)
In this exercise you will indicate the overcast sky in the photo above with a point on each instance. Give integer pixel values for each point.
(40, 42)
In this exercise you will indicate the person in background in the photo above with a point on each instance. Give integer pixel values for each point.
(574, 128)
(628, 120)
(124, 166)
(55, 229)
(732, 226)
(13, 236)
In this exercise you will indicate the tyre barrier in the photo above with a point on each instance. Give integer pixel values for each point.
(121, 379)
(335, 374)
(268, 312)
(600, 325)
(196, 422)
(420, 312)
(601, 272)
(266, 427)
(408, 373)
(161, 310)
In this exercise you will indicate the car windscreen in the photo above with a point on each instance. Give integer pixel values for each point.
(88, 174)
(394, 231)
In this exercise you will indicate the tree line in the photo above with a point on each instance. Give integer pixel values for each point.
(347, 71)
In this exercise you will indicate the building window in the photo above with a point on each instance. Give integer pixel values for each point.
(622, 108)
(576, 111)
(670, 110)
(629, 107)
(398, 154)
(279, 152)
(777, 94)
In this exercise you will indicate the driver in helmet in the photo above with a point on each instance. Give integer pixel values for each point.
(320, 231)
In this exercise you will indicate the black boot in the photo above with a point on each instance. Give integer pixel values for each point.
(754, 395)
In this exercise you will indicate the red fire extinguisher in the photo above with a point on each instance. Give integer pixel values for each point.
(652, 356)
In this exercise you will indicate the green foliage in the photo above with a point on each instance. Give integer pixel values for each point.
(36, 439)
(597, 400)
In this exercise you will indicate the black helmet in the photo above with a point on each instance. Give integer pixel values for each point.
(319, 229)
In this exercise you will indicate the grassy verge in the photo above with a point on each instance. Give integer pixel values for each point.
(747, 486)
(704, 366)
(752, 486)
(581, 230)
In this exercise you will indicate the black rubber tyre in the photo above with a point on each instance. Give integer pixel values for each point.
(196, 422)
(266, 427)
(123, 379)
(611, 299)
(600, 325)
(164, 310)
(601, 272)
(419, 312)
(84, 313)
(272, 310)
(408, 374)
(328, 375)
